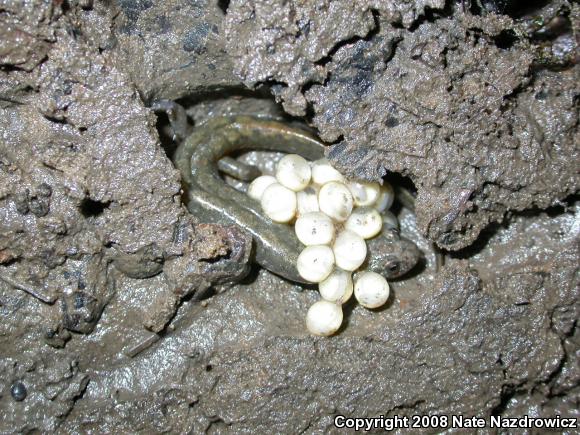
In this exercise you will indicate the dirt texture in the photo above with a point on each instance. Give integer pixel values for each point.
(452, 102)
(122, 312)
(172, 49)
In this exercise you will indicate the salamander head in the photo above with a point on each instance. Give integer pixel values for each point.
(392, 256)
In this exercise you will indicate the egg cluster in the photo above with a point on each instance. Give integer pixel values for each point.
(332, 217)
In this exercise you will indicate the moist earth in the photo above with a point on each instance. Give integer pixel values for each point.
(121, 311)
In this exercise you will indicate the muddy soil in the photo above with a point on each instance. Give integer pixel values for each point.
(122, 312)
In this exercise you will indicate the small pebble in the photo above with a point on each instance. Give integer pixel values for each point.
(257, 187)
(371, 290)
(324, 318)
(364, 193)
(338, 287)
(315, 263)
(307, 200)
(18, 391)
(323, 172)
(314, 228)
(335, 200)
(44, 189)
(350, 250)
(279, 203)
(386, 198)
(365, 221)
(293, 171)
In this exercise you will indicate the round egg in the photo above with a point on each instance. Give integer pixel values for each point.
(314, 228)
(364, 193)
(279, 203)
(257, 187)
(364, 221)
(386, 198)
(324, 318)
(371, 290)
(337, 287)
(350, 250)
(307, 200)
(323, 172)
(335, 200)
(315, 263)
(293, 171)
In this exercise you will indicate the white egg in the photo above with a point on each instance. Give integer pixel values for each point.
(365, 221)
(257, 187)
(386, 198)
(307, 200)
(335, 200)
(350, 250)
(293, 171)
(364, 193)
(337, 287)
(315, 263)
(314, 229)
(371, 290)
(279, 203)
(324, 318)
(323, 172)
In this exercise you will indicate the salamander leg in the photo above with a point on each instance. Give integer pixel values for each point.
(177, 118)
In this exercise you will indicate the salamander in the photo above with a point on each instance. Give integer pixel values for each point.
(210, 199)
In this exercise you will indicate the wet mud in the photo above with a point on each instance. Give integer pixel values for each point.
(122, 312)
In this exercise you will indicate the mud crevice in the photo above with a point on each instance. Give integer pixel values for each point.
(223, 5)
(518, 8)
(371, 34)
(431, 15)
(92, 208)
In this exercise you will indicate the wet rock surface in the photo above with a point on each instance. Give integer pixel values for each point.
(102, 268)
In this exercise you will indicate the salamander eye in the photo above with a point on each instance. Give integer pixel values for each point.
(393, 266)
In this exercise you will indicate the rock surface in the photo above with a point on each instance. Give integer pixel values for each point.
(102, 267)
